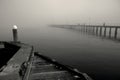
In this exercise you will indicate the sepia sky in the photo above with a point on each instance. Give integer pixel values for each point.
(37, 12)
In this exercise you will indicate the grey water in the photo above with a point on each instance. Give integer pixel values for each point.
(99, 58)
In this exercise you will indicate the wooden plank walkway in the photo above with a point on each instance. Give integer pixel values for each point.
(41, 69)
(27, 65)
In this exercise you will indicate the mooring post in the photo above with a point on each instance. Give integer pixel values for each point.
(110, 32)
(100, 30)
(115, 35)
(104, 31)
(15, 33)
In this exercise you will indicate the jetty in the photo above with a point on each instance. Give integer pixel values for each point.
(19, 61)
(105, 31)
(11, 58)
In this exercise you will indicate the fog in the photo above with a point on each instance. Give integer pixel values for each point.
(98, 57)
(35, 12)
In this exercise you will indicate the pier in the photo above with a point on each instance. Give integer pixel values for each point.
(22, 63)
(98, 30)
(42, 67)
(104, 31)
(11, 58)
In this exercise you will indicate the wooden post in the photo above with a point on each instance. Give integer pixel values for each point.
(86, 29)
(89, 29)
(100, 31)
(93, 30)
(80, 28)
(96, 30)
(105, 31)
(110, 32)
(115, 35)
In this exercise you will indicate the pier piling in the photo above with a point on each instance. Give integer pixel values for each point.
(93, 30)
(100, 31)
(110, 32)
(104, 31)
(96, 30)
(115, 35)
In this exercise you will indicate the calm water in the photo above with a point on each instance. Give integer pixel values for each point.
(98, 57)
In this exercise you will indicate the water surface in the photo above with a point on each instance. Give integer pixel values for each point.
(99, 58)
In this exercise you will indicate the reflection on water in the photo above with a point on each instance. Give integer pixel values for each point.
(98, 57)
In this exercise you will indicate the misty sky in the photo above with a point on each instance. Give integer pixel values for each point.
(37, 12)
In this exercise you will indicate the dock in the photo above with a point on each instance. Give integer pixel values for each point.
(104, 31)
(25, 64)
(44, 68)
(10, 70)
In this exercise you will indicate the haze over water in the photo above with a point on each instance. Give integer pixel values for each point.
(98, 57)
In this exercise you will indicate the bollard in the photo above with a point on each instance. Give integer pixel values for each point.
(15, 34)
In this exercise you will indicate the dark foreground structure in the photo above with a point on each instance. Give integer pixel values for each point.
(18, 61)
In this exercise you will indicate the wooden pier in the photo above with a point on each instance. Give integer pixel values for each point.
(24, 64)
(13, 55)
(43, 68)
(98, 30)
